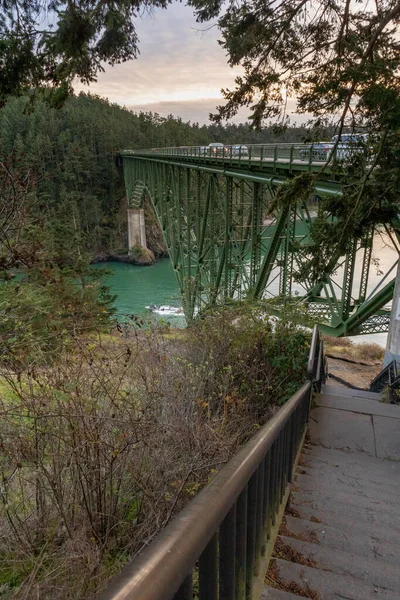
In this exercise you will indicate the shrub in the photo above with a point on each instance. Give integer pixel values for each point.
(42, 313)
(370, 351)
(100, 449)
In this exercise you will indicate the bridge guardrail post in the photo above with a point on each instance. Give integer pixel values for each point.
(227, 543)
(185, 592)
(241, 545)
(208, 571)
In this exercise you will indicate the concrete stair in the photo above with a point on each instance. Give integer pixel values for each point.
(339, 538)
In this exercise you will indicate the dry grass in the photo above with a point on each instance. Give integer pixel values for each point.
(303, 462)
(314, 519)
(342, 342)
(285, 551)
(310, 536)
(361, 351)
(293, 512)
(370, 351)
(273, 579)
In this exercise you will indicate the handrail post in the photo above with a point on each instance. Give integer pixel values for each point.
(208, 573)
(313, 353)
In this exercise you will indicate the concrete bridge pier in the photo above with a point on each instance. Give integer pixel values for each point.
(393, 339)
(137, 243)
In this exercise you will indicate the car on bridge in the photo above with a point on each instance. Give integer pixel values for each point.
(239, 150)
(216, 149)
(344, 148)
(319, 151)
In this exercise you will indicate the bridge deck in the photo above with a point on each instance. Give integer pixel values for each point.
(339, 538)
(261, 166)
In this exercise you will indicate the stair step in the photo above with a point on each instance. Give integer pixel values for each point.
(342, 430)
(335, 457)
(358, 405)
(313, 456)
(361, 542)
(366, 569)
(270, 593)
(350, 519)
(325, 498)
(335, 390)
(328, 586)
(338, 480)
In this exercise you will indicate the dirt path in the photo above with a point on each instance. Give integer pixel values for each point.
(356, 364)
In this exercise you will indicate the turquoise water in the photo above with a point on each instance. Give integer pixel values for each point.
(137, 287)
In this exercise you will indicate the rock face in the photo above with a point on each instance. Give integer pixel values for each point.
(156, 247)
(142, 256)
(138, 256)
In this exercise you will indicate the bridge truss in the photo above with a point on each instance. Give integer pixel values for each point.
(225, 243)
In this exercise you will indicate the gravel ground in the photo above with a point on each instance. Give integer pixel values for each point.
(359, 375)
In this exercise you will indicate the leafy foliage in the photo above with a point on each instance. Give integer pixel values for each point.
(338, 61)
(46, 44)
(331, 57)
(46, 312)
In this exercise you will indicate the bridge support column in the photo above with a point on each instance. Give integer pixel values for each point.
(137, 243)
(393, 341)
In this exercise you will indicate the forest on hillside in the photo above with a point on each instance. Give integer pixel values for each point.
(69, 154)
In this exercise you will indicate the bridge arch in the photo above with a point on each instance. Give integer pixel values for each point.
(137, 239)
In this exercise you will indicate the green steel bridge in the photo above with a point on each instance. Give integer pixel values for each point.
(225, 243)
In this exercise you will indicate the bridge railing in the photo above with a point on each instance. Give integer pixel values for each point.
(218, 545)
(389, 377)
(317, 368)
(241, 154)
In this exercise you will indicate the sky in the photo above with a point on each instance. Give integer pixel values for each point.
(181, 68)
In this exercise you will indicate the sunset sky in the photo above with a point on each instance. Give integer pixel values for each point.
(180, 70)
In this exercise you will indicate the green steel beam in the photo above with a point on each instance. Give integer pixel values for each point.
(270, 256)
(225, 241)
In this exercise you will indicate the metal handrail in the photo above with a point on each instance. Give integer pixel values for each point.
(389, 376)
(311, 156)
(317, 367)
(224, 530)
(306, 156)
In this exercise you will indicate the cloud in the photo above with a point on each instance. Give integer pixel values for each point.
(181, 69)
(177, 62)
